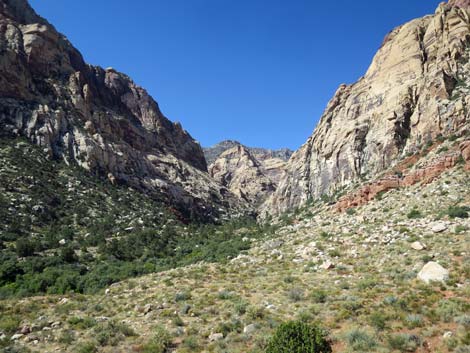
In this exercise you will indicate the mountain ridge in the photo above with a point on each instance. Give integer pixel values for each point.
(415, 90)
(98, 118)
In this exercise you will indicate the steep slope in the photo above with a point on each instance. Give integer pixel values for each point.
(238, 170)
(415, 90)
(97, 118)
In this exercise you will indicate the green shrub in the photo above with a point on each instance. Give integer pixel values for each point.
(360, 340)
(9, 324)
(414, 214)
(404, 342)
(299, 337)
(295, 294)
(182, 296)
(319, 296)
(414, 320)
(24, 247)
(458, 212)
(378, 320)
(81, 323)
(87, 347)
(159, 343)
(112, 332)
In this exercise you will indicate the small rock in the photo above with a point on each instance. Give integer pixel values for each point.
(56, 324)
(439, 228)
(63, 301)
(433, 272)
(216, 337)
(62, 241)
(448, 334)
(327, 265)
(417, 245)
(25, 330)
(249, 329)
(16, 337)
(148, 308)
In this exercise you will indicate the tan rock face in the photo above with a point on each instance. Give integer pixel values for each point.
(239, 171)
(97, 118)
(273, 162)
(415, 89)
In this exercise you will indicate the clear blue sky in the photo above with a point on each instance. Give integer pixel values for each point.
(258, 71)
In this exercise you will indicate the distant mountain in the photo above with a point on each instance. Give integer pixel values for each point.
(211, 153)
(250, 173)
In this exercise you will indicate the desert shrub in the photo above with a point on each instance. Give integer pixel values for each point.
(67, 337)
(159, 343)
(112, 332)
(378, 320)
(299, 337)
(229, 326)
(87, 347)
(24, 247)
(9, 324)
(240, 307)
(404, 342)
(256, 312)
(319, 296)
(360, 340)
(182, 296)
(413, 321)
(81, 323)
(295, 294)
(414, 214)
(458, 211)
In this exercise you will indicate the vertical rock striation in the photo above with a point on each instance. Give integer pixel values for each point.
(415, 89)
(97, 118)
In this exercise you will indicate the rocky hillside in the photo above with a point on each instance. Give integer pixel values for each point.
(414, 92)
(97, 118)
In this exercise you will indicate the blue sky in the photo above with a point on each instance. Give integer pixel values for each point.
(258, 71)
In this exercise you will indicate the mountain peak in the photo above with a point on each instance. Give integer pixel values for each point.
(20, 11)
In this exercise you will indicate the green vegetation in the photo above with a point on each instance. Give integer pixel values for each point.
(414, 214)
(299, 337)
(64, 230)
(458, 211)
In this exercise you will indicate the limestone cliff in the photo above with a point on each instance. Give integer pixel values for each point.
(98, 118)
(415, 90)
(238, 170)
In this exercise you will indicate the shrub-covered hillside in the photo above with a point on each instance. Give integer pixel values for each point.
(64, 230)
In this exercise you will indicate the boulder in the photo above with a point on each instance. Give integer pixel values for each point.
(433, 272)
(439, 228)
(327, 265)
(213, 337)
(249, 329)
(417, 245)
